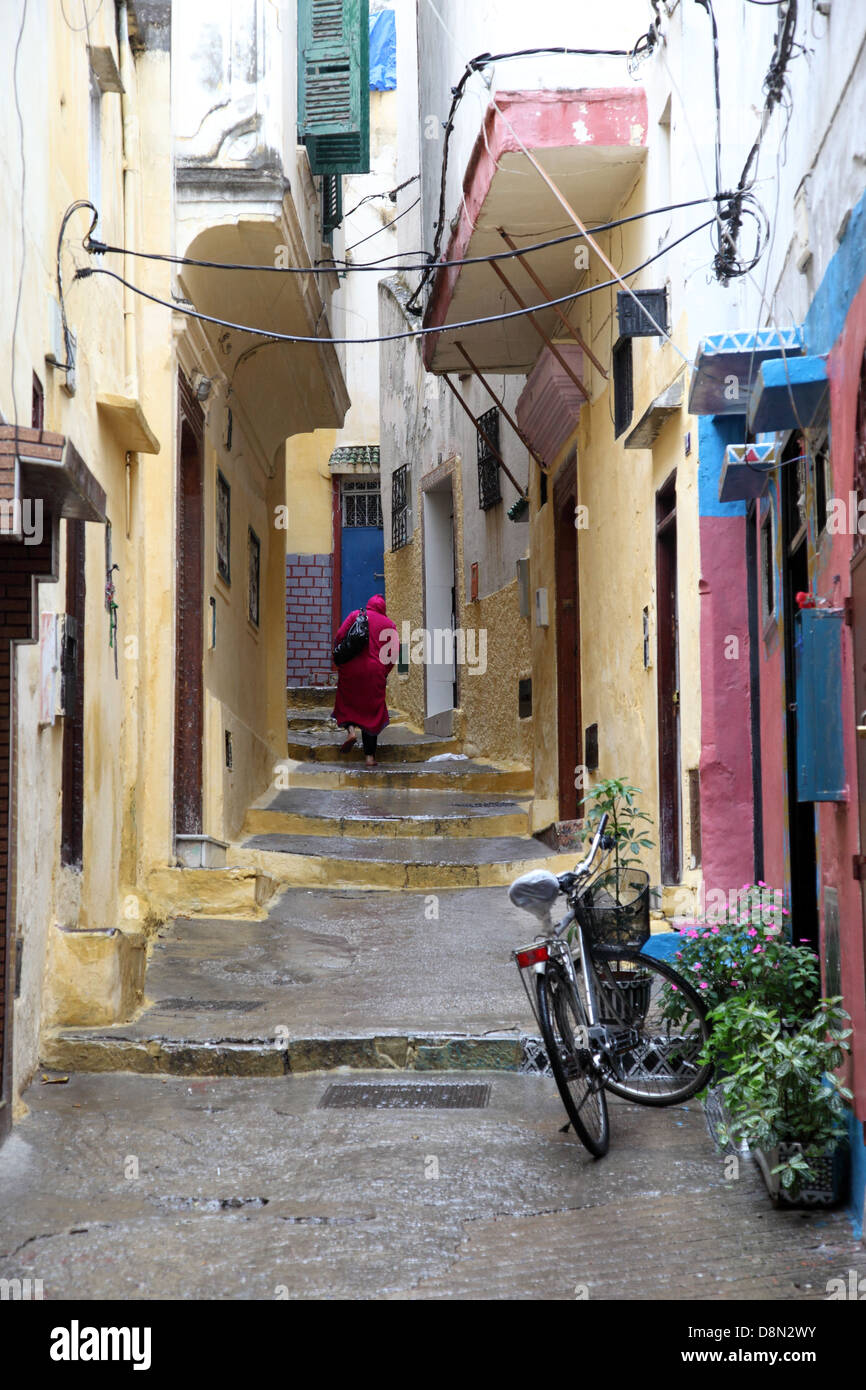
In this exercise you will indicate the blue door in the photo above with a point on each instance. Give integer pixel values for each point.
(362, 548)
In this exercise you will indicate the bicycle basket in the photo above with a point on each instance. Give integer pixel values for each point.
(614, 911)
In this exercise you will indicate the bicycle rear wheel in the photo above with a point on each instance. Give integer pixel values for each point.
(580, 1084)
(662, 1027)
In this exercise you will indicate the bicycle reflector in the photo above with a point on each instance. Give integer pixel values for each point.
(531, 956)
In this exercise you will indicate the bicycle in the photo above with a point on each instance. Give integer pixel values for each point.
(611, 1018)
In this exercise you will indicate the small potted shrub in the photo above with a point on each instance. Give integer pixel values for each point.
(781, 1096)
(744, 952)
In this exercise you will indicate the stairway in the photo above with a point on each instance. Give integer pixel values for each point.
(425, 818)
(338, 969)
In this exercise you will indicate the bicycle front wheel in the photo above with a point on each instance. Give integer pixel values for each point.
(580, 1084)
(658, 1029)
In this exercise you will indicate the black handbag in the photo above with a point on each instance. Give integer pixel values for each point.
(355, 640)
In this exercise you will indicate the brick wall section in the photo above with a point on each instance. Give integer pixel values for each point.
(309, 639)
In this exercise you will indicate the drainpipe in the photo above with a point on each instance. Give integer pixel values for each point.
(129, 122)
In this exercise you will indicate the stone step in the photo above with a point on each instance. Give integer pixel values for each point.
(395, 863)
(303, 696)
(111, 1050)
(462, 774)
(389, 812)
(236, 891)
(397, 744)
(317, 717)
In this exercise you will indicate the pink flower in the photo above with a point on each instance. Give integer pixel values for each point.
(757, 950)
(752, 932)
(675, 988)
(703, 985)
(715, 931)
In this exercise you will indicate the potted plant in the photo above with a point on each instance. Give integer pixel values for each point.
(781, 1096)
(744, 952)
(615, 798)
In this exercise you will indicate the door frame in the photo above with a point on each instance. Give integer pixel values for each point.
(667, 684)
(187, 790)
(569, 705)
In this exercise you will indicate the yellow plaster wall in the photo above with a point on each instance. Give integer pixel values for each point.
(617, 566)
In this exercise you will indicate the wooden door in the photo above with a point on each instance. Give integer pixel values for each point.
(189, 643)
(668, 687)
(569, 719)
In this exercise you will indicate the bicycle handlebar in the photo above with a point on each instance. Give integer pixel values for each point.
(568, 880)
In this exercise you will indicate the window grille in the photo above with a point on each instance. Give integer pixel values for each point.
(623, 387)
(489, 492)
(362, 502)
(332, 204)
(400, 507)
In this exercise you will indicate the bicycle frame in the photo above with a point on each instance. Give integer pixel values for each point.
(555, 948)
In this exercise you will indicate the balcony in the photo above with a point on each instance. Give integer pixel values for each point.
(592, 144)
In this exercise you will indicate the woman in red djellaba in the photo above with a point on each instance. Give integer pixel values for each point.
(361, 682)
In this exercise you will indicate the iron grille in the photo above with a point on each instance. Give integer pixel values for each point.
(399, 507)
(489, 492)
(623, 387)
(332, 203)
(415, 1096)
(362, 502)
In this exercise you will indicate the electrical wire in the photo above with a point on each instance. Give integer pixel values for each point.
(384, 227)
(88, 20)
(73, 208)
(477, 64)
(386, 193)
(85, 272)
(99, 248)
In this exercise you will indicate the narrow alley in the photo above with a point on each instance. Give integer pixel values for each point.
(433, 665)
(345, 1096)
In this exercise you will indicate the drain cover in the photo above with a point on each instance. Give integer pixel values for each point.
(427, 1096)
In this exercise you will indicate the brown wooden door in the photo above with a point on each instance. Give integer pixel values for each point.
(569, 722)
(670, 811)
(189, 644)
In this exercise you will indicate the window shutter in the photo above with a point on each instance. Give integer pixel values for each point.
(334, 84)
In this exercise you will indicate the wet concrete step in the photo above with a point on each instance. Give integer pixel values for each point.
(110, 1050)
(462, 774)
(315, 717)
(396, 863)
(386, 811)
(397, 744)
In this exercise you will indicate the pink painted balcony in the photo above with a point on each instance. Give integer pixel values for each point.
(592, 144)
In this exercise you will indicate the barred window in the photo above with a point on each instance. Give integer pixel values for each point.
(489, 492)
(399, 507)
(362, 502)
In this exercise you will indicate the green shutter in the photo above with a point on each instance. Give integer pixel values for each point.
(334, 84)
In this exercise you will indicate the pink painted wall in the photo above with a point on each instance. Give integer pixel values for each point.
(838, 822)
(727, 816)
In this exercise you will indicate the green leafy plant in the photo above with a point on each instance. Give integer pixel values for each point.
(781, 1087)
(745, 952)
(626, 825)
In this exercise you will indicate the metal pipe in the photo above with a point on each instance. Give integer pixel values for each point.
(487, 440)
(490, 391)
(130, 137)
(546, 292)
(541, 333)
